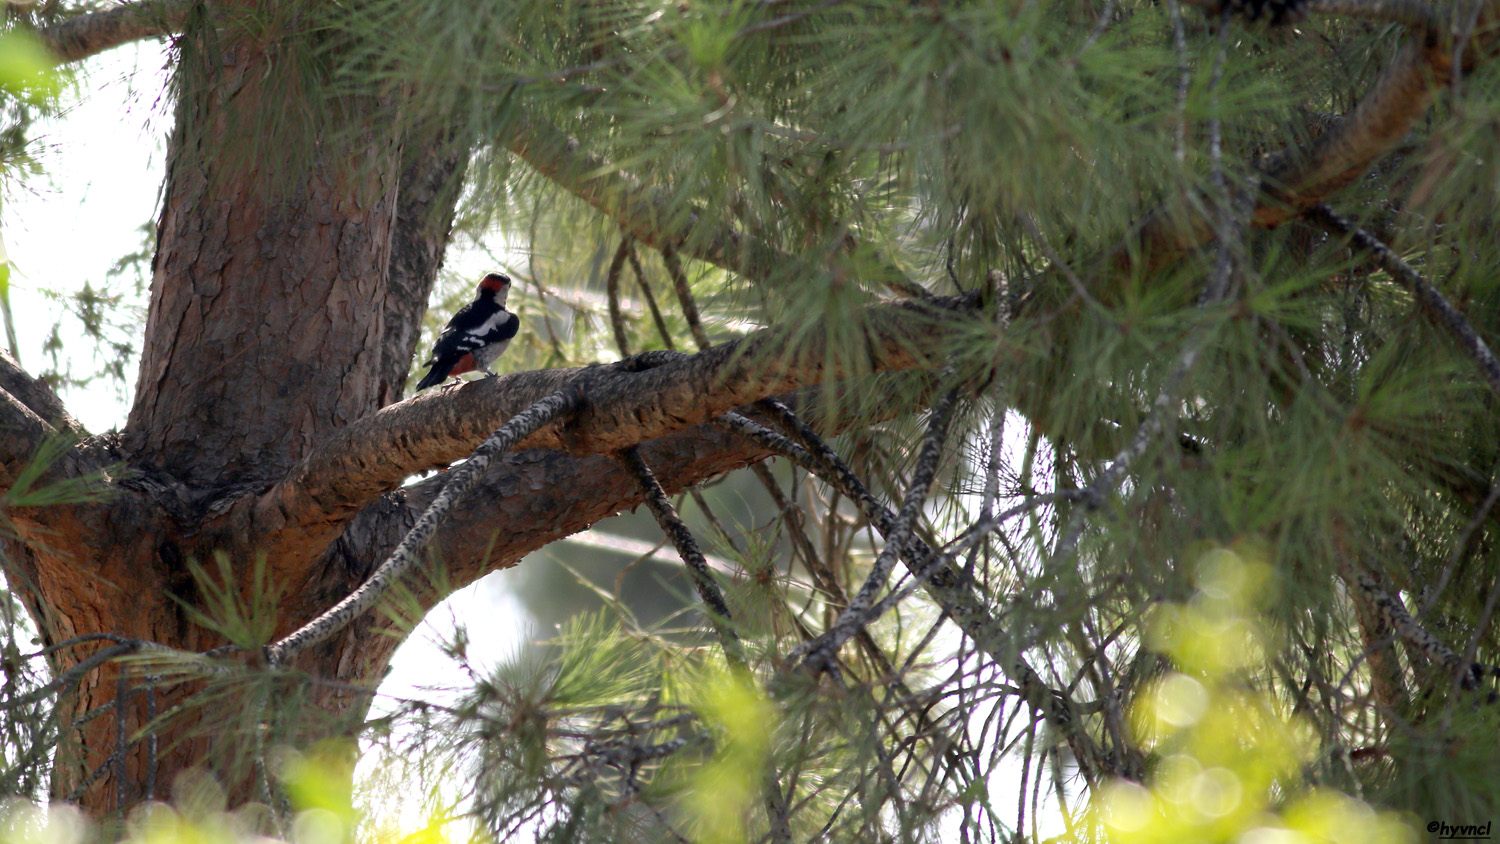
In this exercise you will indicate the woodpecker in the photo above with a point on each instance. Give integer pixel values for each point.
(476, 335)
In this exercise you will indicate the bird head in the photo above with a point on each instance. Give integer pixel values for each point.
(496, 285)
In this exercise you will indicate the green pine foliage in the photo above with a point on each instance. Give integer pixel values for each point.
(1324, 425)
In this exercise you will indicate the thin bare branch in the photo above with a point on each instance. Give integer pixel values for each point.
(612, 293)
(1184, 80)
(954, 593)
(70, 678)
(687, 547)
(655, 309)
(685, 297)
(122, 741)
(1434, 305)
(820, 653)
(406, 555)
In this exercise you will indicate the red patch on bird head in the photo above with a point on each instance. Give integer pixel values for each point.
(495, 283)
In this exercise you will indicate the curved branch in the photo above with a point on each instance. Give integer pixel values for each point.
(87, 35)
(612, 292)
(531, 498)
(624, 406)
(685, 298)
(522, 503)
(405, 555)
(1299, 177)
(687, 547)
(1396, 622)
(820, 654)
(540, 490)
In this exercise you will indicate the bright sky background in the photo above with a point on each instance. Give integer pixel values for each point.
(103, 163)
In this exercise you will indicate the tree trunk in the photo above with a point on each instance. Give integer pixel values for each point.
(277, 316)
(237, 233)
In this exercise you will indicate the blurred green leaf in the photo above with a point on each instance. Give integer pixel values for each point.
(27, 70)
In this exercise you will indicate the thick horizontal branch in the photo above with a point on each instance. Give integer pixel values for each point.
(87, 35)
(535, 497)
(549, 495)
(406, 554)
(624, 406)
(523, 502)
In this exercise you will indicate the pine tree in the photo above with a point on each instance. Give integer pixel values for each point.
(1122, 366)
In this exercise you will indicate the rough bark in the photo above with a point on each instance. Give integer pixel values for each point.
(24, 432)
(231, 390)
(522, 504)
(36, 396)
(306, 510)
(287, 290)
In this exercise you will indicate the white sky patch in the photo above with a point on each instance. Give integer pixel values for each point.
(103, 162)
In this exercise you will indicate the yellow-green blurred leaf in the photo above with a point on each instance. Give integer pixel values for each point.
(26, 68)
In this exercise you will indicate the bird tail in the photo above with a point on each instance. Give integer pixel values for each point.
(435, 376)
